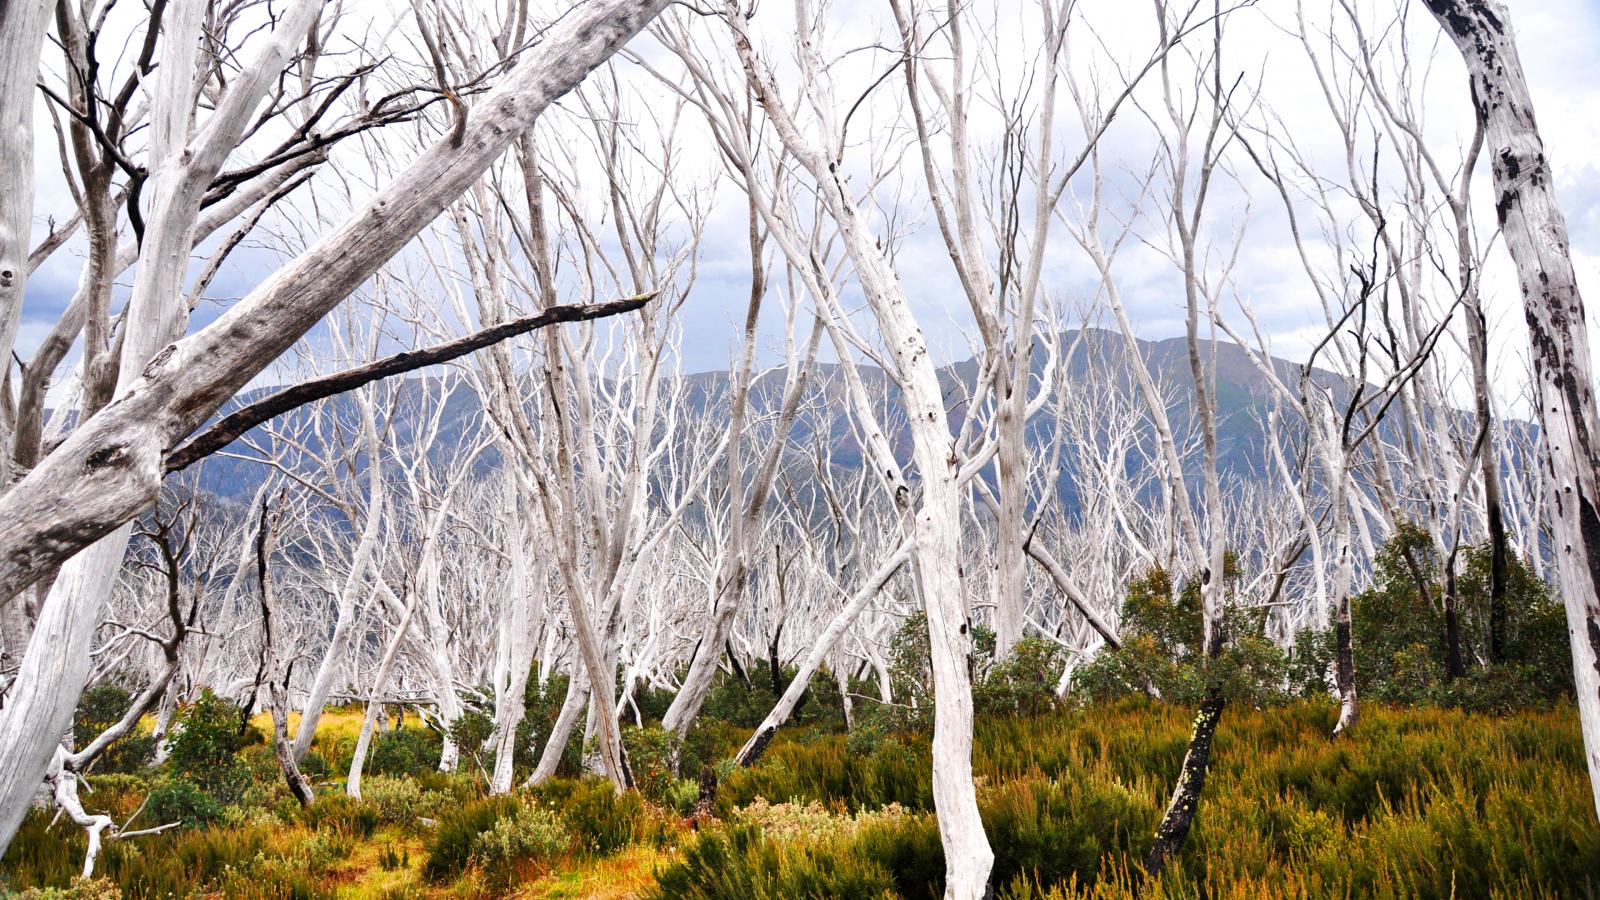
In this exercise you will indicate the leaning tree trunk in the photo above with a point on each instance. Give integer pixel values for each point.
(1536, 237)
(57, 662)
(937, 519)
(742, 514)
(278, 674)
(110, 467)
(182, 168)
(555, 745)
(1174, 827)
(333, 659)
(751, 752)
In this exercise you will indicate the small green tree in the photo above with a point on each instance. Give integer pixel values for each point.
(203, 749)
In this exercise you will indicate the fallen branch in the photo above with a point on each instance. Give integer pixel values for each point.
(64, 783)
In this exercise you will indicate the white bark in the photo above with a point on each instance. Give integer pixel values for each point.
(355, 584)
(937, 523)
(380, 681)
(110, 467)
(1536, 237)
(22, 27)
(156, 315)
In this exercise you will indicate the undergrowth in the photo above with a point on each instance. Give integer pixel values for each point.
(1415, 803)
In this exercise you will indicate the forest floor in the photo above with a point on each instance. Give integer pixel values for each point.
(1416, 803)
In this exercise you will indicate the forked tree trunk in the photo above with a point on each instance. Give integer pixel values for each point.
(59, 658)
(110, 467)
(731, 577)
(938, 517)
(156, 314)
(333, 658)
(561, 731)
(1536, 237)
(369, 719)
(283, 746)
(277, 673)
(516, 645)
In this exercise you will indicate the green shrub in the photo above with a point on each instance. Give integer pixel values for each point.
(101, 707)
(651, 701)
(176, 799)
(1252, 672)
(1024, 683)
(1400, 639)
(404, 751)
(708, 742)
(651, 754)
(80, 889)
(896, 771)
(403, 801)
(603, 820)
(203, 748)
(1140, 668)
(1054, 830)
(1162, 655)
(389, 860)
(742, 864)
(1310, 664)
(682, 796)
(314, 766)
(450, 850)
(734, 701)
(541, 706)
(471, 731)
(1070, 799)
(530, 838)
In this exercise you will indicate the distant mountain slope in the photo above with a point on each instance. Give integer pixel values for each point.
(1243, 394)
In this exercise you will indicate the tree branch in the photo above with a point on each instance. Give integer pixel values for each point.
(234, 425)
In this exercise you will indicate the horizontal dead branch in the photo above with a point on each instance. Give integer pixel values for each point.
(233, 426)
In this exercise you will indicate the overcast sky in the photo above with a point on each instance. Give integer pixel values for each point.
(1558, 40)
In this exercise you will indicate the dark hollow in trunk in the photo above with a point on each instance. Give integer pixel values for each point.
(705, 806)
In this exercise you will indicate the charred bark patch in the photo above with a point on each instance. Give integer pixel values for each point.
(1589, 523)
(758, 746)
(1346, 655)
(1594, 641)
(1506, 202)
(1179, 818)
(705, 807)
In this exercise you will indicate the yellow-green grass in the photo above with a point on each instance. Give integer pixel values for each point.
(335, 724)
(1415, 803)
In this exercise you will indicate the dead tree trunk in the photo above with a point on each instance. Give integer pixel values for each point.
(1174, 827)
(277, 690)
(1536, 237)
(22, 27)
